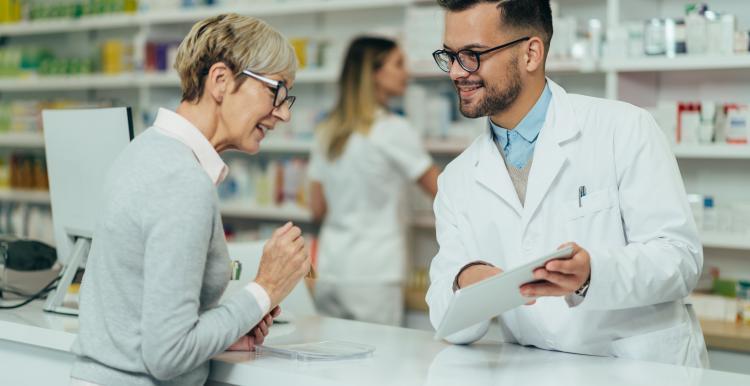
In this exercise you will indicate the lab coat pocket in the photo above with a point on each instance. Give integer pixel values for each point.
(670, 345)
(597, 222)
(589, 204)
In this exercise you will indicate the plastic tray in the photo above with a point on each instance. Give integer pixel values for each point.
(328, 350)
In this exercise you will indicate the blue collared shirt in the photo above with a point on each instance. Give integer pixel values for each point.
(518, 144)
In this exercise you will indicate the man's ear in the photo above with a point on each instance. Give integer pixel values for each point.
(218, 81)
(534, 54)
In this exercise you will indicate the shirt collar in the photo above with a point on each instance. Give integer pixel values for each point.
(532, 123)
(176, 126)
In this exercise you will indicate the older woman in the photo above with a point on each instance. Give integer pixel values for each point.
(159, 263)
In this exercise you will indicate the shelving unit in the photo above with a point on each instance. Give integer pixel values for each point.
(641, 80)
(554, 66)
(128, 81)
(181, 16)
(21, 140)
(281, 213)
(25, 196)
(287, 146)
(679, 63)
(726, 336)
(720, 151)
(722, 240)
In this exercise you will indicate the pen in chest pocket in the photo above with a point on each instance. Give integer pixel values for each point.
(581, 194)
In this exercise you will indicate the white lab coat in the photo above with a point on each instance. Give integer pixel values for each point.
(635, 222)
(362, 253)
(363, 235)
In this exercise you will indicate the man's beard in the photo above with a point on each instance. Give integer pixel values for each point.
(496, 100)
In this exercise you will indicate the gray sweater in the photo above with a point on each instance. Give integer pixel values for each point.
(158, 265)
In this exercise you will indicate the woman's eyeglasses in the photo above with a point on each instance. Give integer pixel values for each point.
(280, 93)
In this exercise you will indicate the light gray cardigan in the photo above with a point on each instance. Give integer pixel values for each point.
(157, 268)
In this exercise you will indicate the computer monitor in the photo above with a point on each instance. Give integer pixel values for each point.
(80, 147)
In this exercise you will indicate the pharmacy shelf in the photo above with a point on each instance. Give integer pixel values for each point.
(554, 66)
(171, 79)
(449, 147)
(280, 213)
(726, 335)
(127, 81)
(270, 9)
(710, 239)
(71, 82)
(299, 146)
(723, 240)
(712, 151)
(290, 146)
(572, 66)
(22, 140)
(25, 196)
(455, 147)
(191, 15)
(679, 63)
(99, 22)
(317, 75)
(242, 210)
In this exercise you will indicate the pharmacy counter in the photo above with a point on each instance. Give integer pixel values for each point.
(34, 350)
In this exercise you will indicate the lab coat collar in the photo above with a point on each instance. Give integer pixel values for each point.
(565, 124)
(490, 171)
(559, 127)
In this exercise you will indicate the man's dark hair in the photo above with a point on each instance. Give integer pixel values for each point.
(524, 15)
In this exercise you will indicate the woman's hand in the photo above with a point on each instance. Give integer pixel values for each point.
(285, 261)
(257, 335)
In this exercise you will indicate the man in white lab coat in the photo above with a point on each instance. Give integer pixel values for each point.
(555, 168)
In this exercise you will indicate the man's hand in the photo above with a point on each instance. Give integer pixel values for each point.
(257, 335)
(476, 273)
(561, 277)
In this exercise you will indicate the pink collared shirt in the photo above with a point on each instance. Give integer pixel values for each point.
(176, 126)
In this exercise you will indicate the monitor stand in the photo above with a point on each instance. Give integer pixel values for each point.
(56, 297)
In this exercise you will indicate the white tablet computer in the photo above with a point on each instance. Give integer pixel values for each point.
(493, 296)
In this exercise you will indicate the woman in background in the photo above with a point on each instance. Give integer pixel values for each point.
(363, 160)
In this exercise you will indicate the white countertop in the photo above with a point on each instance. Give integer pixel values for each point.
(402, 357)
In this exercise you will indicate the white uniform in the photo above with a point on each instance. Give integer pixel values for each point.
(635, 222)
(362, 250)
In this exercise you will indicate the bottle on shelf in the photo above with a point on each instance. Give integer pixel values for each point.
(708, 120)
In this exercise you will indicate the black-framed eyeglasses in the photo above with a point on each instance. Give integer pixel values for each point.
(280, 92)
(467, 59)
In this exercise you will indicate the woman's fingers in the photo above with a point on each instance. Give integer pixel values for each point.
(282, 230)
(291, 235)
(263, 327)
(259, 337)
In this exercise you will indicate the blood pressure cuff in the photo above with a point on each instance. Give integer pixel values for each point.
(27, 255)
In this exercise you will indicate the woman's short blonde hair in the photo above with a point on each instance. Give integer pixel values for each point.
(240, 42)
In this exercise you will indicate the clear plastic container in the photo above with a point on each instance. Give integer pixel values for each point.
(328, 350)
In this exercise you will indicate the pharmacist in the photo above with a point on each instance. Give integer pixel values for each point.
(555, 168)
(364, 160)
